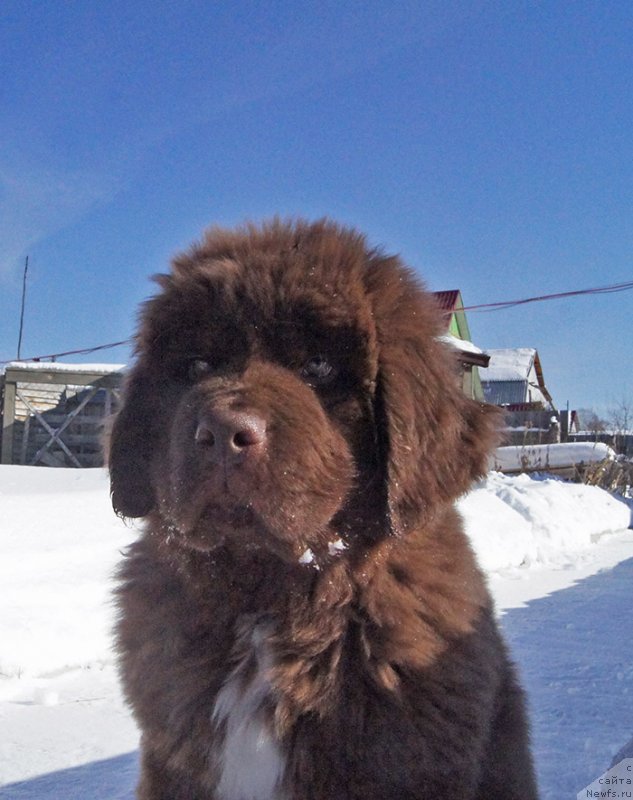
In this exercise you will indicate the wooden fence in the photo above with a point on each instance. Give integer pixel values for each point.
(54, 414)
(531, 427)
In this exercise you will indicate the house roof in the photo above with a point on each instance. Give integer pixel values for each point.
(471, 354)
(451, 304)
(448, 300)
(58, 366)
(512, 366)
(460, 344)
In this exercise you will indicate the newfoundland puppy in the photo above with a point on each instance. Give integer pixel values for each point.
(302, 617)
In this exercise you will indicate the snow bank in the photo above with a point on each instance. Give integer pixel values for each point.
(60, 542)
(521, 521)
(549, 456)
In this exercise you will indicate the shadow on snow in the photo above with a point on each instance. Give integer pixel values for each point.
(574, 649)
(111, 779)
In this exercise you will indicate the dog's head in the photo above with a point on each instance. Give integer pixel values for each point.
(290, 388)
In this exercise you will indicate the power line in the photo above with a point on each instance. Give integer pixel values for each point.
(615, 287)
(80, 352)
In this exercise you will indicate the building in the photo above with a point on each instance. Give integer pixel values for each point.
(471, 358)
(514, 380)
(56, 414)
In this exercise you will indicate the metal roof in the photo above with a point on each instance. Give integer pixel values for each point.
(513, 365)
(448, 300)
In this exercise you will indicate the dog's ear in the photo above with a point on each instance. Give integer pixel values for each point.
(129, 450)
(434, 441)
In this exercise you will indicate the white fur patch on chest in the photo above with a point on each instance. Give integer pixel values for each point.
(250, 758)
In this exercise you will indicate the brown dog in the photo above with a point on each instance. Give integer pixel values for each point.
(303, 618)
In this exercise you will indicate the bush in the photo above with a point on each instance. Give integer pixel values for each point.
(614, 476)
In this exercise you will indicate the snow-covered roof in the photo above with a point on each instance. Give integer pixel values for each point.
(509, 364)
(56, 366)
(460, 344)
(448, 300)
(508, 369)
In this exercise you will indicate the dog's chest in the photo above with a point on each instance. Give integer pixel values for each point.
(250, 758)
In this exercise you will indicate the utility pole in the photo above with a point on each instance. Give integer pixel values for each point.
(26, 269)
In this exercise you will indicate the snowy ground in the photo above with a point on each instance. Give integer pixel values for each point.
(560, 566)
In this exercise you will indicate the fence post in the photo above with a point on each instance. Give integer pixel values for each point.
(8, 419)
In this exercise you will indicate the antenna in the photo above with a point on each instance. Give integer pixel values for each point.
(26, 269)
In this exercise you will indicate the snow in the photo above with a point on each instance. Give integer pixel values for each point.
(460, 344)
(519, 521)
(560, 566)
(55, 577)
(546, 456)
(58, 366)
(509, 364)
(336, 547)
(625, 752)
(307, 557)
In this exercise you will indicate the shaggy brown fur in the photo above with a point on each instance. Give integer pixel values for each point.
(302, 617)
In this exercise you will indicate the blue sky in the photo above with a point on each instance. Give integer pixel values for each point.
(490, 143)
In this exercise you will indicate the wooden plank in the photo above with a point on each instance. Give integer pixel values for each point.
(89, 428)
(8, 418)
(49, 459)
(108, 403)
(56, 434)
(111, 380)
(25, 440)
(73, 440)
(41, 392)
(89, 420)
(36, 427)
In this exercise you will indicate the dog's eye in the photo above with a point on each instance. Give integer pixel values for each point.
(197, 368)
(318, 371)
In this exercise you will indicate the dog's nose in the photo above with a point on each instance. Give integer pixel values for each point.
(230, 437)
